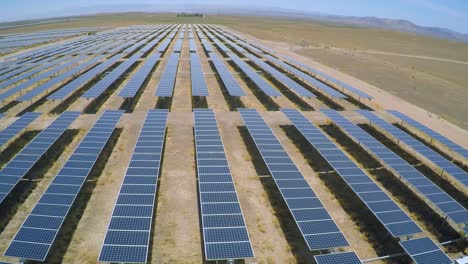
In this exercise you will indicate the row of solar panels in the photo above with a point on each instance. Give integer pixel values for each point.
(315, 83)
(319, 233)
(65, 91)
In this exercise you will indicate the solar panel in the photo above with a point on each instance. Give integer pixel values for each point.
(319, 85)
(448, 207)
(376, 200)
(74, 85)
(137, 195)
(225, 234)
(445, 165)
(112, 77)
(335, 258)
(332, 79)
(166, 84)
(301, 91)
(199, 87)
(315, 224)
(254, 76)
(192, 45)
(53, 70)
(135, 83)
(425, 251)
(59, 79)
(227, 78)
(178, 45)
(16, 127)
(433, 134)
(39, 230)
(22, 163)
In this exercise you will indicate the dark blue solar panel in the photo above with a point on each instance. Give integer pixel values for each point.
(438, 160)
(322, 234)
(254, 76)
(74, 85)
(335, 258)
(136, 199)
(16, 127)
(11, 174)
(433, 134)
(59, 194)
(136, 82)
(166, 84)
(329, 78)
(425, 251)
(199, 87)
(317, 84)
(218, 196)
(227, 78)
(377, 203)
(409, 174)
(301, 91)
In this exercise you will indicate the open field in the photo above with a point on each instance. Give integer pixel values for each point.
(277, 210)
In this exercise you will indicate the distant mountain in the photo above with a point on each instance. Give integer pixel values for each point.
(374, 22)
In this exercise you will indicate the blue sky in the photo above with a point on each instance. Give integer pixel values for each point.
(452, 14)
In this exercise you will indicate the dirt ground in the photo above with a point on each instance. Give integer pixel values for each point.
(177, 236)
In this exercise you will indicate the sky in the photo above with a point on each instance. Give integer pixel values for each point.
(451, 14)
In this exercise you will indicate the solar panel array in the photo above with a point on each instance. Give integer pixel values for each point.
(332, 79)
(447, 205)
(128, 234)
(425, 251)
(24, 75)
(59, 79)
(112, 77)
(135, 83)
(178, 45)
(40, 229)
(22, 163)
(166, 84)
(335, 258)
(301, 91)
(446, 166)
(199, 87)
(227, 78)
(254, 76)
(395, 220)
(434, 135)
(16, 127)
(319, 85)
(225, 234)
(74, 85)
(53, 70)
(316, 225)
